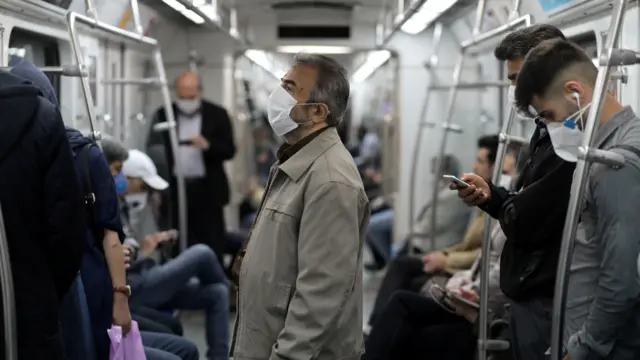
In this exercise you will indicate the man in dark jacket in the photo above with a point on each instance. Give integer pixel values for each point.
(532, 219)
(102, 266)
(43, 213)
(206, 142)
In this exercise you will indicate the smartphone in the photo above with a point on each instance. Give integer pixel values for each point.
(461, 184)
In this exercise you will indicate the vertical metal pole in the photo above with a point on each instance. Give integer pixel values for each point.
(173, 139)
(135, 13)
(515, 9)
(90, 10)
(193, 61)
(451, 109)
(3, 60)
(422, 122)
(579, 182)
(84, 80)
(8, 297)
(486, 245)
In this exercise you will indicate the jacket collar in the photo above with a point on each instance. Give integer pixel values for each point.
(612, 125)
(306, 152)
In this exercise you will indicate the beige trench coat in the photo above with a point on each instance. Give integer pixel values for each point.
(300, 294)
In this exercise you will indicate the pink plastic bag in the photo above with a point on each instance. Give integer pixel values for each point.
(128, 347)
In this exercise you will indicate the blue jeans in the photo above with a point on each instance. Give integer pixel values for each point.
(171, 286)
(379, 235)
(159, 346)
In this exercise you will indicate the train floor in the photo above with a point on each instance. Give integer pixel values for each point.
(193, 321)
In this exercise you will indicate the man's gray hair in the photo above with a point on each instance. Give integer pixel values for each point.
(332, 85)
(114, 150)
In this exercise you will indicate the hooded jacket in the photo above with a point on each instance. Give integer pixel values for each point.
(43, 208)
(105, 214)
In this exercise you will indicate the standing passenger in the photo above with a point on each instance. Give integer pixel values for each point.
(206, 141)
(532, 219)
(43, 214)
(103, 268)
(300, 294)
(558, 80)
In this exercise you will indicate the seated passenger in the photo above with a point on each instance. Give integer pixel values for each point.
(603, 298)
(411, 273)
(102, 269)
(43, 214)
(172, 285)
(448, 229)
(415, 326)
(412, 325)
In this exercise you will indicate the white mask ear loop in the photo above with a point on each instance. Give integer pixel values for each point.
(580, 110)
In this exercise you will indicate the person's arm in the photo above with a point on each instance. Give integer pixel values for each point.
(617, 195)
(109, 219)
(328, 253)
(497, 200)
(461, 259)
(65, 219)
(221, 143)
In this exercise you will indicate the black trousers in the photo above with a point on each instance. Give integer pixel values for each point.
(405, 273)
(153, 320)
(205, 217)
(530, 327)
(412, 326)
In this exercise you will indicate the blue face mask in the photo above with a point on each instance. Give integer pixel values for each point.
(122, 183)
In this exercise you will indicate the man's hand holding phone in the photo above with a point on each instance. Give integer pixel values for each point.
(476, 193)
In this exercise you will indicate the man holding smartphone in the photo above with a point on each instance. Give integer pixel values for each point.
(532, 218)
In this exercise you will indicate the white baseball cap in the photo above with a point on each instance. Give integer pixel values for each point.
(140, 165)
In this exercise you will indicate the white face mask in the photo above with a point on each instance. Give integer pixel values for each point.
(188, 106)
(279, 111)
(137, 202)
(566, 136)
(505, 181)
(511, 95)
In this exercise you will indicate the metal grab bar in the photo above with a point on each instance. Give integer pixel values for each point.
(8, 297)
(450, 109)
(73, 19)
(64, 70)
(484, 344)
(142, 82)
(580, 178)
(437, 36)
(472, 86)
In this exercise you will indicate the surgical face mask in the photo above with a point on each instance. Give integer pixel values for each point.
(188, 107)
(279, 111)
(505, 181)
(511, 95)
(122, 183)
(137, 202)
(279, 108)
(566, 135)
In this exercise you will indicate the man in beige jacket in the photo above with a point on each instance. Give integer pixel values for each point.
(300, 273)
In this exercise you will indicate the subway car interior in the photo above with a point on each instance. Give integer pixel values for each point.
(440, 118)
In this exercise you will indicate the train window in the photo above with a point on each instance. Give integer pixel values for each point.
(39, 49)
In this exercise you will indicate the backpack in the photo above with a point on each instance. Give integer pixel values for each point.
(94, 269)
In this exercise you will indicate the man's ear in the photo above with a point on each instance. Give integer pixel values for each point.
(320, 111)
(574, 92)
